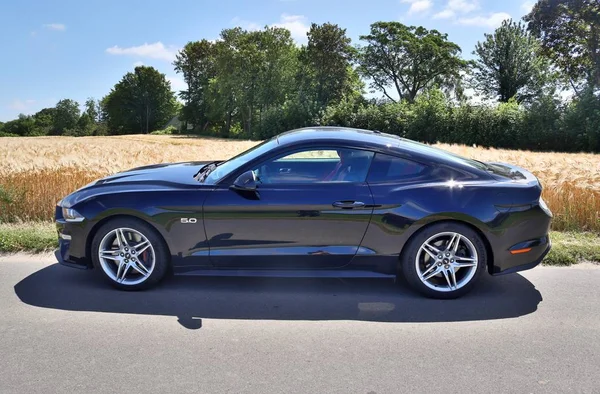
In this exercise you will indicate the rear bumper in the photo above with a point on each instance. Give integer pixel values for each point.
(539, 249)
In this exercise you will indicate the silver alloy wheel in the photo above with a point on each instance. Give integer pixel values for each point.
(126, 256)
(446, 261)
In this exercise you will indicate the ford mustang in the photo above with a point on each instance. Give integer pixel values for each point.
(315, 202)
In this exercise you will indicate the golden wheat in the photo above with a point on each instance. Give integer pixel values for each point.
(36, 172)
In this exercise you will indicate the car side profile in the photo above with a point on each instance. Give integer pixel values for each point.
(320, 201)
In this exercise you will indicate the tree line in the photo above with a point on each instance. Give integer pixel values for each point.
(256, 84)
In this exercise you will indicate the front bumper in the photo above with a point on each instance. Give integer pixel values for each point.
(68, 244)
(62, 261)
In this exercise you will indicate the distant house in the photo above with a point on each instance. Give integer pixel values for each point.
(178, 124)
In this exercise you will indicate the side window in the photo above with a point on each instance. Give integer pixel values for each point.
(320, 165)
(387, 168)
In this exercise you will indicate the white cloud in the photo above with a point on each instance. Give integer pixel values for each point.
(491, 21)
(463, 6)
(177, 83)
(418, 6)
(21, 105)
(454, 7)
(296, 24)
(246, 25)
(55, 26)
(527, 6)
(445, 14)
(152, 51)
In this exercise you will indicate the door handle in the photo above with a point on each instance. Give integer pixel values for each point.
(348, 204)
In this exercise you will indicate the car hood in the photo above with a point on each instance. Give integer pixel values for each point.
(166, 176)
(175, 174)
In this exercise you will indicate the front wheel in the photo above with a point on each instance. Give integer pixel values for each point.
(130, 254)
(444, 260)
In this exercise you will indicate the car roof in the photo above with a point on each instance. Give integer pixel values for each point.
(387, 143)
(335, 133)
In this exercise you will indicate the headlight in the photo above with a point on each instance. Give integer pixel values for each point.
(71, 215)
(545, 207)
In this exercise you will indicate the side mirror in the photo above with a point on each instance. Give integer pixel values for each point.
(245, 182)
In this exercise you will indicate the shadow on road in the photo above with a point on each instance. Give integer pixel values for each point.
(191, 299)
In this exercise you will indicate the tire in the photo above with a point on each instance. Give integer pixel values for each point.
(137, 271)
(468, 262)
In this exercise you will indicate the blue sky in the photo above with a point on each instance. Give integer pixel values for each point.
(78, 49)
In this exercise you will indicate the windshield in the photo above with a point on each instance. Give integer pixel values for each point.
(227, 167)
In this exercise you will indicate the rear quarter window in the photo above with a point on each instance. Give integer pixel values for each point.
(386, 168)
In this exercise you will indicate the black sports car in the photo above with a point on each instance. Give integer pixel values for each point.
(318, 201)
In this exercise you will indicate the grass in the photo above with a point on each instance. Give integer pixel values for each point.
(36, 172)
(572, 248)
(27, 237)
(567, 247)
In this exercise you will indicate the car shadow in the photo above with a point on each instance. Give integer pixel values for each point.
(192, 299)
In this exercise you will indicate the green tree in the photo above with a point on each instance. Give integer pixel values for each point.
(92, 109)
(326, 62)
(85, 125)
(570, 35)
(141, 102)
(44, 121)
(261, 79)
(24, 126)
(196, 61)
(254, 74)
(509, 64)
(409, 59)
(66, 115)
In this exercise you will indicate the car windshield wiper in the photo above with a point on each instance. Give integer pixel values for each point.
(204, 171)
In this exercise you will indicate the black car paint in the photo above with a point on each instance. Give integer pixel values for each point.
(296, 227)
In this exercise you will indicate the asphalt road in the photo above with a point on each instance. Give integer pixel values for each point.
(63, 330)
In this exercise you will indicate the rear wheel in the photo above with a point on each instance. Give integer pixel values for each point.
(130, 254)
(444, 260)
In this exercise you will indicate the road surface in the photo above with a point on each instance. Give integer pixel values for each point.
(64, 330)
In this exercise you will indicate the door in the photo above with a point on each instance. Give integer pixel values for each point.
(311, 209)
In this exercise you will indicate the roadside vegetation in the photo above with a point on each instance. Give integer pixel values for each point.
(567, 247)
(33, 237)
(37, 172)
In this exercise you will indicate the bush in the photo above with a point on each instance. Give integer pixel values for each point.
(544, 125)
(581, 125)
(101, 129)
(166, 131)
(385, 117)
(429, 118)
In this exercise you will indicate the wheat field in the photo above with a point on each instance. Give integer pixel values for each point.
(36, 172)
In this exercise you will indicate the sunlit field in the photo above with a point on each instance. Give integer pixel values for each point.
(36, 172)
